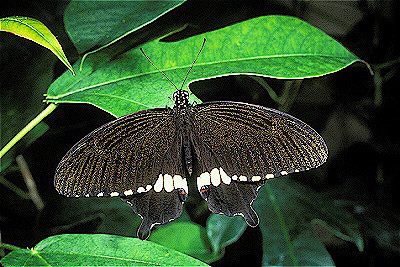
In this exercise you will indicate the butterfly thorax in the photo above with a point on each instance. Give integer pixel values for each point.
(181, 98)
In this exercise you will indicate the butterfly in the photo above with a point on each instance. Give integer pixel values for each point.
(230, 148)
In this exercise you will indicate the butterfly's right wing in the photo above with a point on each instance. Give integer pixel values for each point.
(239, 146)
(136, 157)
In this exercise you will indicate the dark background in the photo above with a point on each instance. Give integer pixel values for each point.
(356, 113)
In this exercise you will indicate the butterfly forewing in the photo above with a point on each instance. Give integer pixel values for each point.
(250, 140)
(106, 160)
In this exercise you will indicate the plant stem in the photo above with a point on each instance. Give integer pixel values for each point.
(30, 182)
(282, 223)
(289, 95)
(18, 191)
(27, 128)
(387, 64)
(378, 82)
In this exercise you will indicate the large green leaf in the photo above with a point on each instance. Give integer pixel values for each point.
(223, 231)
(206, 244)
(99, 249)
(186, 237)
(97, 23)
(36, 31)
(286, 210)
(274, 46)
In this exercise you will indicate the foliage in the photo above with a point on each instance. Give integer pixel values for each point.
(36, 31)
(115, 77)
(274, 46)
(97, 250)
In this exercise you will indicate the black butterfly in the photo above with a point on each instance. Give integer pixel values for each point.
(146, 157)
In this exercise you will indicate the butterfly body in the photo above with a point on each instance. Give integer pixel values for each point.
(229, 148)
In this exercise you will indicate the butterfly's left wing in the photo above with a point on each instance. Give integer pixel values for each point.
(136, 157)
(239, 146)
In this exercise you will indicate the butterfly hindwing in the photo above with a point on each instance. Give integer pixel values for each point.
(133, 157)
(240, 146)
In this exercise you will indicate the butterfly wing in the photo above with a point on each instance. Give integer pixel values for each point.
(239, 146)
(133, 157)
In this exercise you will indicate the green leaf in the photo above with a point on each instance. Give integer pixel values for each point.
(223, 231)
(97, 23)
(99, 249)
(206, 244)
(186, 237)
(286, 211)
(376, 222)
(274, 46)
(36, 31)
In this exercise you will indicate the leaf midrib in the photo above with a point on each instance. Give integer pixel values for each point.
(38, 254)
(182, 67)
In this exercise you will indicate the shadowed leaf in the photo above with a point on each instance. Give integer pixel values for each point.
(286, 211)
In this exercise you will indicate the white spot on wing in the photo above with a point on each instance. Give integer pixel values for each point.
(158, 186)
(234, 177)
(141, 189)
(180, 182)
(242, 178)
(256, 178)
(114, 194)
(177, 181)
(224, 177)
(269, 176)
(148, 187)
(128, 192)
(284, 172)
(215, 177)
(168, 183)
(204, 179)
(100, 194)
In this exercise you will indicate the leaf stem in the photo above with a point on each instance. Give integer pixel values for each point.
(8, 246)
(27, 128)
(266, 86)
(282, 223)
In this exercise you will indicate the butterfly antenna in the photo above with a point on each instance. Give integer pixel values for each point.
(165, 75)
(191, 67)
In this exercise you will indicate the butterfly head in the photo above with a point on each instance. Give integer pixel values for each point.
(181, 98)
